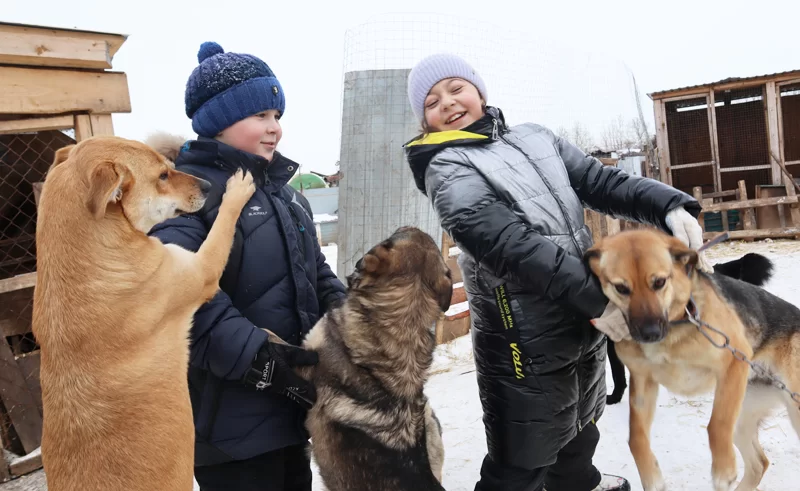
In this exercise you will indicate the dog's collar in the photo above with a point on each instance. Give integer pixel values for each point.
(691, 311)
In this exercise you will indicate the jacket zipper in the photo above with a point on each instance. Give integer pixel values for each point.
(496, 134)
(300, 227)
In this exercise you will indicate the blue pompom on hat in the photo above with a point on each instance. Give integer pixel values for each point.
(433, 69)
(228, 87)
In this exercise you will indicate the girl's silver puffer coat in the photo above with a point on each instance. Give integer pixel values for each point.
(512, 199)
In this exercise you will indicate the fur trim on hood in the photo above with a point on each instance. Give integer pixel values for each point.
(166, 144)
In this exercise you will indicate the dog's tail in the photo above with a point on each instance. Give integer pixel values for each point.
(752, 268)
(166, 144)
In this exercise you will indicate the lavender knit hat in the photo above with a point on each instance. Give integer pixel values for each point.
(432, 69)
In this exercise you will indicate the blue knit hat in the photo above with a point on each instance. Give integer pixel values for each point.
(433, 69)
(227, 87)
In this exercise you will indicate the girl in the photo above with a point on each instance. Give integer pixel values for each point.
(249, 406)
(512, 199)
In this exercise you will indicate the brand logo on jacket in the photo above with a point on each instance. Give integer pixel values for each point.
(256, 211)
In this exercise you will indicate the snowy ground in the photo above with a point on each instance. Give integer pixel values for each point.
(679, 433)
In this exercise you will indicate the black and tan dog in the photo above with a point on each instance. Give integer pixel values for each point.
(752, 268)
(651, 277)
(372, 427)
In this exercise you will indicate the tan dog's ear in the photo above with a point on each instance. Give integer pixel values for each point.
(682, 253)
(591, 258)
(105, 187)
(62, 154)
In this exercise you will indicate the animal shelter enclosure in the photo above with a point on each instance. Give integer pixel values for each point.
(54, 91)
(735, 145)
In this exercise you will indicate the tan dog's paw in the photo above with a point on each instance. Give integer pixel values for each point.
(239, 189)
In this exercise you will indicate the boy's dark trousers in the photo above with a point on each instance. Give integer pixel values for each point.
(285, 469)
(573, 471)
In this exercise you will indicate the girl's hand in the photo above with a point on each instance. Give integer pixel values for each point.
(686, 228)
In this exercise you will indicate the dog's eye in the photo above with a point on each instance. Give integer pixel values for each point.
(659, 283)
(164, 175)
(622, 289)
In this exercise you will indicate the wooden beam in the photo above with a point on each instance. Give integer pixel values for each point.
(36, 124)
(693, 164)
(687, 92)
(712, 132)
(750, 203)
(102, 124)
(26, 464)
(38, 49)
(773, 131)
(66, 48)
(746, 167)
(663, 142)
(18, 282)
(55, 91)
(757, 234)
(83, 127)
(18, 401)
(749, 213)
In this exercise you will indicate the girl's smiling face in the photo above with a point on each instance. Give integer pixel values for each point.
(452, 104)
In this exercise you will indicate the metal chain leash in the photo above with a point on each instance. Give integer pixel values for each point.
(763, 372)
(704, 327)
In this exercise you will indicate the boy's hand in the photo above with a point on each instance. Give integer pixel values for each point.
(272, 370)
(612, 323)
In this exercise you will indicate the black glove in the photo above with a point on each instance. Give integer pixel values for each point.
(272, 371)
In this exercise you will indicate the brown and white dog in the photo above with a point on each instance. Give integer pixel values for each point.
(372, 428)
(112, 311)
(652, 278)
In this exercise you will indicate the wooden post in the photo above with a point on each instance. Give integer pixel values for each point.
(439, 328)
(102, 124)
(712, 131)
(83, 127)
(771, 107)
(662, 141)
(697, 192)
(749, 216)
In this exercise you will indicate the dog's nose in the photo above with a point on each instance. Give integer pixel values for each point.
(651, 332)
(205, 186)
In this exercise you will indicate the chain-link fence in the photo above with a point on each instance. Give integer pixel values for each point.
(790, 115)
(588, 98)
(24, 160)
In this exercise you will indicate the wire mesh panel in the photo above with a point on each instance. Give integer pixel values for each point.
(24, 160)
(689, 142)
(587, 98)
(790, 114)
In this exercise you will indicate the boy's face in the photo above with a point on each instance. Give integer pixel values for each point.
(452, 104)
(258, 134)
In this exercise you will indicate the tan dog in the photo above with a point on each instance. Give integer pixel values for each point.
(112, 313)
(372, 428)
(650, 276)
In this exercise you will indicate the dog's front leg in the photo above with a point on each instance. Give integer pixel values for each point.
(643, 396)
(728, 397)
(213, 254)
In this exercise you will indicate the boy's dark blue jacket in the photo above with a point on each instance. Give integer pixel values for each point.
(276, 278)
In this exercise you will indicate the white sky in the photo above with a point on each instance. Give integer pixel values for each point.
(304, 43)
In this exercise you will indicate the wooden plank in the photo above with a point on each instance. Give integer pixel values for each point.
(18, 401)
(102, 124)
(693, 164)
(721, 194)
(36, 124)
(662, 142)
(757, 234)
(751, 203)
(712, 132)
(27, 463)
(56, 91)
(5, 472)
(42, 48)
(18, 282)
(773, 125)
(83, 127)
(700, 93)
(53, 39)
(745, 168)
(697, 192)
(29, 364)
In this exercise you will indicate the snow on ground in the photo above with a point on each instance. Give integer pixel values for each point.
(679, 437)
